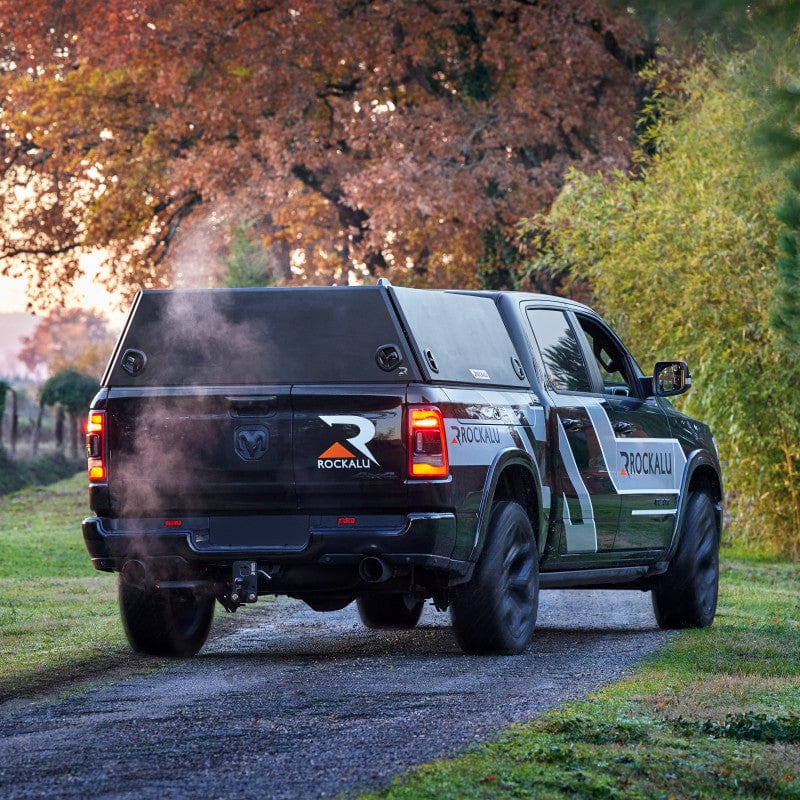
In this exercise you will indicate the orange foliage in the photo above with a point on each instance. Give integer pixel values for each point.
(375, 136)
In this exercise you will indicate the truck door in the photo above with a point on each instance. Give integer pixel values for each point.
(648, 461)
(589, 503)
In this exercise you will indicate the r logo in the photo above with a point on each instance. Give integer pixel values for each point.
(251, 442)
(366, 430)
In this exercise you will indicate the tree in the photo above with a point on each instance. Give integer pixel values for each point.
(780, 134)
(4, 388)
(372, 138)
(68, 338)
(680, 255)
(775, 75)
(73, 391)
(249, 264)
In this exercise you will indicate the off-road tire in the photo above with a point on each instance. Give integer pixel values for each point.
(387, 611)
(164, 622)
(685, 596)
(495, 612)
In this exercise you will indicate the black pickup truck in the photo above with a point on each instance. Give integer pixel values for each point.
(390, 445)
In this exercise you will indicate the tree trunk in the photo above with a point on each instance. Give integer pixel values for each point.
(74, 433)
(60, 428)
(37, 431)
(14, 423)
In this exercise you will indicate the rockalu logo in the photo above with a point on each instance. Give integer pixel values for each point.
(337, 456)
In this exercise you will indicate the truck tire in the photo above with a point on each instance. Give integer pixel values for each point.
(164, 622)
(495, 612)
(685, 596)
(381, 611)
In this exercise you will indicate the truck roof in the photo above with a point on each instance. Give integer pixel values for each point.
(310, 335)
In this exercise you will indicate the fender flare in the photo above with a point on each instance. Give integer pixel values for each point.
(510, 457)
(697, 459)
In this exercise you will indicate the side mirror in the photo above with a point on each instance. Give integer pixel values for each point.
(671, 378)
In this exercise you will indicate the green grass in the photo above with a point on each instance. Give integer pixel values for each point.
(714, 714)
(58, 616)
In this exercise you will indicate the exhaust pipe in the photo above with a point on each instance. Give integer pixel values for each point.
(135, 574)
(373, 569)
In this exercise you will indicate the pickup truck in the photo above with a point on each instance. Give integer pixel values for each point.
(389, 446)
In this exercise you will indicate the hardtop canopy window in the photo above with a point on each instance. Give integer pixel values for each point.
(460, 338)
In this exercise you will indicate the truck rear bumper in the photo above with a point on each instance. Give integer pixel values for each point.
(424, 540)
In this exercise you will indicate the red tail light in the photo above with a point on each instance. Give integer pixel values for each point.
(96, 446)
(427, 446)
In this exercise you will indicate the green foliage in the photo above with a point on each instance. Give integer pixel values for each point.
(499, 259)
(681, 258)
(72, 389)
(747, 726)
(780, 135)
(248, 264)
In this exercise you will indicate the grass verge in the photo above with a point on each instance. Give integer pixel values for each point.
(58, 616)
(714, 714)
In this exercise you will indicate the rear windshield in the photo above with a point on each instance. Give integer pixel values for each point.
(240, 337)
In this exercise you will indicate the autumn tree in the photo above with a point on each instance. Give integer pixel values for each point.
(73, 392)
(390, 137)
(68, 338)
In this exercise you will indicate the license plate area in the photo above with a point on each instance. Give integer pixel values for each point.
(268, 532)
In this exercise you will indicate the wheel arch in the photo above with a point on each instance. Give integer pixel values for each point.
(701, 475)
(513, 476)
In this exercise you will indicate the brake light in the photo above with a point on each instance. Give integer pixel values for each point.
(427, 446)
(95, 446)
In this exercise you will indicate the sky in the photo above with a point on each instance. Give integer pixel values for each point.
(16, 321)
(88, 293)
(12, 295)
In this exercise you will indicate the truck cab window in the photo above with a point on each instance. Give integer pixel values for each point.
(609, 357)
(565, 369)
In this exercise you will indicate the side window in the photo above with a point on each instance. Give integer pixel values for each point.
(610, 358)
(565, 369)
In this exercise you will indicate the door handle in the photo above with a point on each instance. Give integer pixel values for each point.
(623, 427)
(572, 424)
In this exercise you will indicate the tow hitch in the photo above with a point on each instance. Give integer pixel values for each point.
(245, 582)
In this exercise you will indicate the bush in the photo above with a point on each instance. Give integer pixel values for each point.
(16, 475)
(681, 257)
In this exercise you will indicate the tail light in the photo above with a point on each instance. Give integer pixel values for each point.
(96, 446)
(427, 445)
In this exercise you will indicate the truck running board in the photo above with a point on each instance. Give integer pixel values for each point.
(617, 577)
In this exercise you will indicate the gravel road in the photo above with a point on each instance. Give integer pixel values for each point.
(296, 704)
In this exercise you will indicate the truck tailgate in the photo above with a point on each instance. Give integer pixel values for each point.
(187, 451)
(348, 448)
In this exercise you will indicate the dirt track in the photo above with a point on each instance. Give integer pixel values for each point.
(297, 704)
